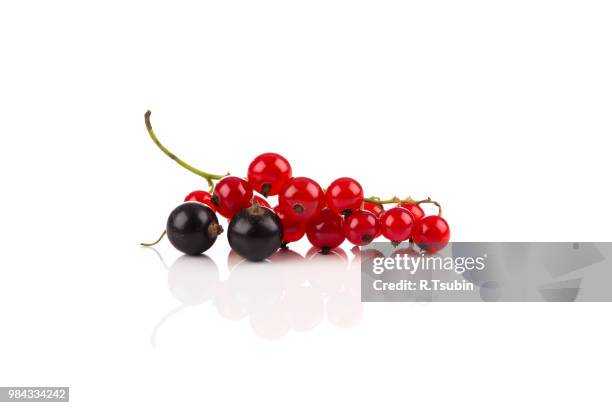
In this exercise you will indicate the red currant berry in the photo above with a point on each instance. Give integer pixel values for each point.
(203, 197)
(431, 233)
(268, 173)
(303, 196)
(231, 195)
(262, 201)
(361, 227)
(344, 195)
(415, 209)
(376, 209)
(293, 229)
(325, 230)
(396, 224)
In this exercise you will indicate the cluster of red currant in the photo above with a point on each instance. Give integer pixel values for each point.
(327, 217)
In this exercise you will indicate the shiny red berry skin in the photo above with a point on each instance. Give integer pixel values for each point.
(293, 229)
(361, 227)
(303, 196)
(396, 224)
(231, 195)
(344, 195)
(268, 172)
(431, 233)
(262, 201)
(415, 209)
(376, 209)
(202, 197)
(325, 231)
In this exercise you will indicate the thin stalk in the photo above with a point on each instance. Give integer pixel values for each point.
(408, 200)
(428, 200)
(209, 177)
(392, 200)
(150, 244)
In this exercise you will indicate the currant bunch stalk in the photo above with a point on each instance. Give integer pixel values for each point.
(209, 177)
(408, 200)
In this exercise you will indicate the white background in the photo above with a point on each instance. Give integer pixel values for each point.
(498, 109)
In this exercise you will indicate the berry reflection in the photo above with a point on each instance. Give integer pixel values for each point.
(287, 293)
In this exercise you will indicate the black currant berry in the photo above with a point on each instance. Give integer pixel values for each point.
(193, 227)
(255, 233)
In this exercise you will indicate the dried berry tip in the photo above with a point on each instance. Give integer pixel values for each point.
(265, 189)
(367, 238)
(255, 209)
(214, 230)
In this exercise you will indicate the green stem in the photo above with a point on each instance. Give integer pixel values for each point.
(393, 200)
(208, 176)
(428, 200)
(408, 200)
(150, 244)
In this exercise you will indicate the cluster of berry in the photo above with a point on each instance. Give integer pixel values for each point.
(327, 217)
